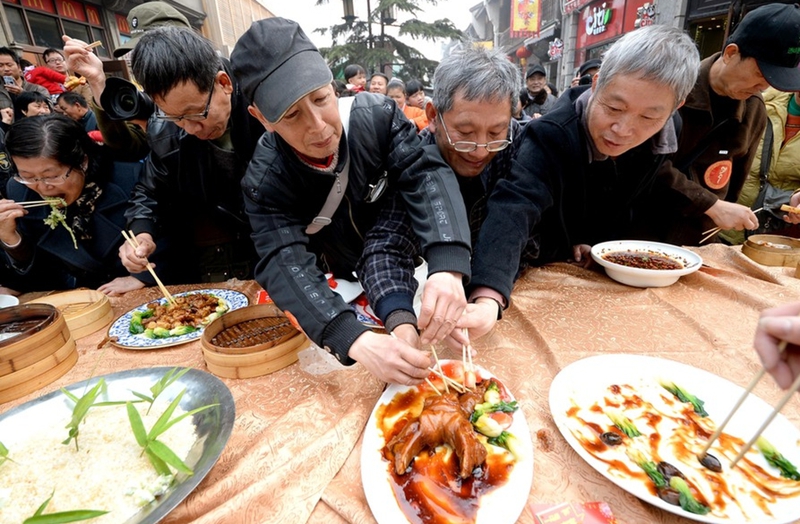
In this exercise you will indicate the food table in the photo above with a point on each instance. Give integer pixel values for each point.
(294, 454)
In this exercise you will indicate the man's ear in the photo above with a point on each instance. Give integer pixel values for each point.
(680, 105)
(729, 51)
(225, 81)
(430, 113)
(255, 113)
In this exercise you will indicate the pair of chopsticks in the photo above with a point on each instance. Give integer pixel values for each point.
(96, 43)
(37, 203)
(131, 239)
(714, 230)
(466, 362)
(792, 390)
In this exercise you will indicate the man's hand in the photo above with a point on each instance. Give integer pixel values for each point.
(443, 302)
(135, 260)
(582, 255)
(84, 62)
(775, 325)
(408, 334)
(120, 285)
(14, 89)
(479, 318)
(7, 115)
(793, 218)
(390, 359)
(728, 215)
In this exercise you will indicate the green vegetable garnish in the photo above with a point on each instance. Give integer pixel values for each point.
(684, 396)
(81, 409)
(623, 423)
(508, 441)
(163, 383)
(57, 217)
(649, 467)
(492, 403)
(776, 459)
(62, 516)
(687, 500)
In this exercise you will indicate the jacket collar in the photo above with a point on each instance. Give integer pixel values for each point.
(699, 98)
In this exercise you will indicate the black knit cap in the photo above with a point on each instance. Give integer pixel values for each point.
(277, 65)
(771, 35)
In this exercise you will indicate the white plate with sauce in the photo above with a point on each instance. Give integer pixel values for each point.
(502, 505)
(684, 261)
(586, 382)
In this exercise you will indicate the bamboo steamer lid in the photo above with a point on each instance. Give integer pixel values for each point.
(250, 342)
(85, 310)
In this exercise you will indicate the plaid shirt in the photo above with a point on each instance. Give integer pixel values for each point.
(391, 249)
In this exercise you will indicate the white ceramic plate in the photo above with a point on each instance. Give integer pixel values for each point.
(500, 506)
(213, 426)
(122, 337)
(638, 277)
(587, 380)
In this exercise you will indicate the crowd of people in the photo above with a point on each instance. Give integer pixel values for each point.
(264, 166)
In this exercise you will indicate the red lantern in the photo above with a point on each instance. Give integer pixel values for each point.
(523, 52)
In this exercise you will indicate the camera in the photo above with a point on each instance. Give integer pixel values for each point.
(122, 100)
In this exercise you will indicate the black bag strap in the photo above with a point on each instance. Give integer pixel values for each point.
(701, 147)
(766, 156)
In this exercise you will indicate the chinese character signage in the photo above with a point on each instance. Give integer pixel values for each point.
(573, 5)
(524, 18)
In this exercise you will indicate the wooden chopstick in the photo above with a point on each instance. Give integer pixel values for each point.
(792, 390)
(131, 239)
(790, 209)
(26, 205)
(96, 43)
(439, 365)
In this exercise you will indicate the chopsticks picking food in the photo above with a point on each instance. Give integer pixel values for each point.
(714, 230)
(131, 239)
(37, 203)
(431, 384)
(466, 360)
(439, 365)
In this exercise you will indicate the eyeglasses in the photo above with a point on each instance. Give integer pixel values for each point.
(192, 118)
(51, 181)
(463, 146)
(58, 60)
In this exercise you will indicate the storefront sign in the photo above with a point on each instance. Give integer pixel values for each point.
(41, 5)
(93, 15)
(555, 49)
(600, 21)
(71, 10)
(573, 5)
(639, 13)
(122, 24)
(524, 18)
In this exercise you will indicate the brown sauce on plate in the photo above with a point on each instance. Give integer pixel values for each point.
(642, 260)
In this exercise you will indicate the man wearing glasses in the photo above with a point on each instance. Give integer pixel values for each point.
(188, 196)
(470, 123)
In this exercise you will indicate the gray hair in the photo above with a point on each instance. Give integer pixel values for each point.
(476, 73)
(658, 53)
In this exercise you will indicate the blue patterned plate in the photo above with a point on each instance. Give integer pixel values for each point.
(120, 336)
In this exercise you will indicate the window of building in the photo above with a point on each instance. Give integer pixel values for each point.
(42, 22)
(17, 23)
(46, 32)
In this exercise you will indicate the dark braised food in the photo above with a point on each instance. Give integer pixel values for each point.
(642, 260)
(711, 462)
(611, 439)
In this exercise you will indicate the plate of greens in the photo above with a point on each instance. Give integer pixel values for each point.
(124, 447)
(132, 331)
(643, 421)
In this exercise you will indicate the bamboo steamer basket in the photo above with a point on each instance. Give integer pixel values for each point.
(755, 249)
(85, 310)
(42, 350)
(250, 342)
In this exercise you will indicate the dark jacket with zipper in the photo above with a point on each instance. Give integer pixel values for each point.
(183, 200)
(283, 195)
(561, 196)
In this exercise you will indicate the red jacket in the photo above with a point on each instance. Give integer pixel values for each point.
(48, 78)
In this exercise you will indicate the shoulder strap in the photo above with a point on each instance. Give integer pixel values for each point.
(766, 155)
(340, 184)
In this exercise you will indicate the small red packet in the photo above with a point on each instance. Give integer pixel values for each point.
(262, 297)
(573, 513)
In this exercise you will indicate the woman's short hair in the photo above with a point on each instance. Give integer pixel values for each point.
(26, 98)
(658, 53)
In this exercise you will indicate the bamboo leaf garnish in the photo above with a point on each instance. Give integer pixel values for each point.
(81, 408)
(166, 381)
(4, 454)
(163, 452)
(159, 465)
(181, 417)
(61, 517)
(159, 427)
(137, 425)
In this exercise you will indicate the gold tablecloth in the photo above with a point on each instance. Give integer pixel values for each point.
(294, 454)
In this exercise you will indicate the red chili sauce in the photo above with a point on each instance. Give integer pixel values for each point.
(642, 260)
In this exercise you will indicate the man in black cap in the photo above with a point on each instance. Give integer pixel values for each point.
(723, 121)
(316, 184)
(539, 100)
(586, 72)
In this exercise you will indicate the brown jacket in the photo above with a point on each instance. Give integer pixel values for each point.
(719, 171)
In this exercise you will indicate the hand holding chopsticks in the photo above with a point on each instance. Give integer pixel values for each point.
(714, 230)
(130, 238)
(772, 327)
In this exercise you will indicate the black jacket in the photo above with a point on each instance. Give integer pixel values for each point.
(178, 194)
(283, 195)
(559, 196)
